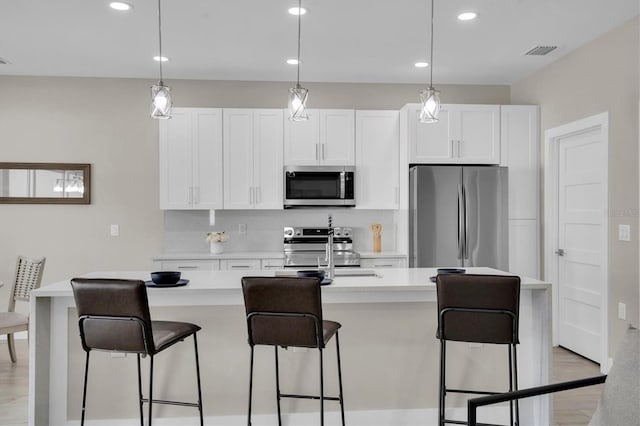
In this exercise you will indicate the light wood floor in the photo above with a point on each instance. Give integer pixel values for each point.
(571, 408)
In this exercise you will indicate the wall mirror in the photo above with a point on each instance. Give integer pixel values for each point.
(45, 183)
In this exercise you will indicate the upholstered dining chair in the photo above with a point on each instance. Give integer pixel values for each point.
(28, 277)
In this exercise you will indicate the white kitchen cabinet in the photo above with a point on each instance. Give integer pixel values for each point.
(465, 134)
(520, 154)
(377, 159)
(188, 265)
(253, 165)
(239, 264)
(383, 262)
(327, 138)
(191, 159)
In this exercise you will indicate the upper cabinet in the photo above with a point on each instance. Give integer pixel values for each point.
(327, 138)
(377, 159)
(465, 134)
(253, 167)
(191, 159)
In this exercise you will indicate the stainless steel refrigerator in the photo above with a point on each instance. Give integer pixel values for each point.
(458, 216)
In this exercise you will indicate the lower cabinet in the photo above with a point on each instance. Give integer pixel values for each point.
(188, 265)
(384, 262)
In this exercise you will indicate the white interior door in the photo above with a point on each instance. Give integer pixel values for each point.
(581, 239)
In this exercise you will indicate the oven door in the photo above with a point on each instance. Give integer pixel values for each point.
(318, 186)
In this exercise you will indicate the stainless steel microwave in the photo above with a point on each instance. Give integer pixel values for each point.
(314, 186)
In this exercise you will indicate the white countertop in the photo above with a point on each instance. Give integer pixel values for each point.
(388, 285)
(260, 255)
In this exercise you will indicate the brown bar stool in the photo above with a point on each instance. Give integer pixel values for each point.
(478, 309)
(114, 316)
(287, 312)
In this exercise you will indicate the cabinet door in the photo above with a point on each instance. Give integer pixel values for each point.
(519, 146)
(523, 247)
(176, 187)
(432, 143)
(301, 140)
(476, 133)
(238, 158)
(337, 137)
(190, 265)
(268, 168)
(207, 158)
(377, 162)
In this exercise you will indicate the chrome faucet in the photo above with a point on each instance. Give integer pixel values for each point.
(330, 273)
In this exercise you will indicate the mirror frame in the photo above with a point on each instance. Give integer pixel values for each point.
(83, 167)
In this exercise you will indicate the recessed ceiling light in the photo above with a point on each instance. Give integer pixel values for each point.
(118, 5)
(421, 64)
(160, 58)
(293, 61)
(467, 16)
(296, 11)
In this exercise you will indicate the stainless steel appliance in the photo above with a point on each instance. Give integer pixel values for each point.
(306, 247)
(309, 186)
(458, 216)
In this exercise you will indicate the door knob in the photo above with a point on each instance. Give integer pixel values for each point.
(560, 252)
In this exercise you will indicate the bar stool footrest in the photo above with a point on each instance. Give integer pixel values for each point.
(182, 404)
(326, 398)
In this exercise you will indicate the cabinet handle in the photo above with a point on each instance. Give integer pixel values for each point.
(383, 265)
(316, 151)
(251, 195)
(240, 267)
(459, 148)
(187, 267)
(453, 148)
(322, 152)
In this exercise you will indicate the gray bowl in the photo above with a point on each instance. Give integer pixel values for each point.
(165, 277)
(314, 273)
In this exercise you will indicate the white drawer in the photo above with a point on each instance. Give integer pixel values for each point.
(273, 263)
(239, 264)
(190, 265)
(389, 262)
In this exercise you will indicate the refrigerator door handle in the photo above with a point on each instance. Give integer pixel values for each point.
(465, 240)
(461, 221)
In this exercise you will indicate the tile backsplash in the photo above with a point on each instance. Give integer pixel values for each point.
(185, 230)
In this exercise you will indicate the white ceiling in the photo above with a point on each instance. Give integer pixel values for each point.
(342, 40)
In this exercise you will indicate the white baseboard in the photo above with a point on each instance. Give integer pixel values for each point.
(20, 335)
(422, 417)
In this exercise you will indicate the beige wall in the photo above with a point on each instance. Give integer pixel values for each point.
(105, 122)
(602, 76)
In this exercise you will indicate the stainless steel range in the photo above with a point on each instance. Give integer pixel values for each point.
(307, 247)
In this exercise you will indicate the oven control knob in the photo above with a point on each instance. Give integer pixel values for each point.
(288, 232)
(346, 233)
(298, 233)
(337, 232)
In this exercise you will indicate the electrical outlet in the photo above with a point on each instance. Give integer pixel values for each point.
(242, 228)
(622, 311)
(115, 230)
(624, 232)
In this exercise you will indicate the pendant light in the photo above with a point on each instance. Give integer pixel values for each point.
(160, 94)
(430, 97)
(298, 94)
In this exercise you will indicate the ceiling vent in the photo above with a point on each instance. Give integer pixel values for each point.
(540, 50)
(3, 61)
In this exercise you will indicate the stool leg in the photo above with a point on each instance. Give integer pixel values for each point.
(140, 392)
(278, 385)
(250, 388)
(442, 389)
(150, 387)
(510, 385)
(321, 391)
(84, 389)
(340, 378)
(515, 383)
(195, 346)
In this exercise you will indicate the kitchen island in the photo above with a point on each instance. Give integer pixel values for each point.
(389, 355)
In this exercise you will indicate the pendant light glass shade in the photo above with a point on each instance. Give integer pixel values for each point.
(161, 101)
(429, 97)
(298, 94)
(298, 103)
(430, 105)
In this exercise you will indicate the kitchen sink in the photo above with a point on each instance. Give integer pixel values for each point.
(340, 272)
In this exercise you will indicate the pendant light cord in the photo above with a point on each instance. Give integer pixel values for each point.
(160, 39)
(299, 26)
(431, 49)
